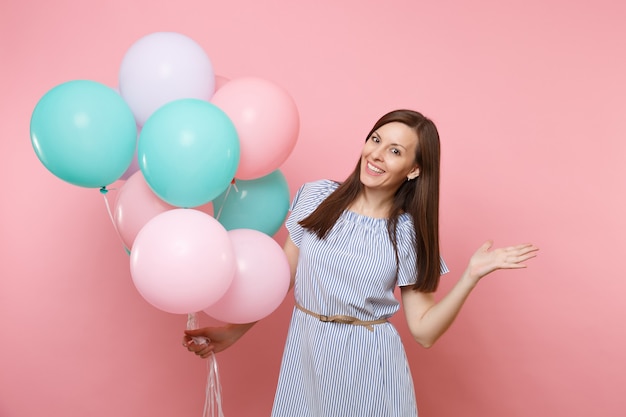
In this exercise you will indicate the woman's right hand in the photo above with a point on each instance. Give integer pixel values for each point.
(217, 338)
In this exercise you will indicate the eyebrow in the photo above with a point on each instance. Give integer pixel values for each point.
(393, 144)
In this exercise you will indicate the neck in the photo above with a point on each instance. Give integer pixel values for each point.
(372, 204)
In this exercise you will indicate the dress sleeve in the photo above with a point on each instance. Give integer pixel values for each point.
(306, 200)
(407, 274)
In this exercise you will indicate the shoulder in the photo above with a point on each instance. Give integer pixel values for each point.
(315, 192)
(406, 231)
(323, 186)
(308, 197)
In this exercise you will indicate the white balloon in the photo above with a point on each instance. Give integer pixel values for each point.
(163, 67)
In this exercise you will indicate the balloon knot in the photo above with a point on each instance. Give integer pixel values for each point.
(103, 190)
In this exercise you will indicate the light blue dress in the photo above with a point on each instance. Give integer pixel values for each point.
(337, 369)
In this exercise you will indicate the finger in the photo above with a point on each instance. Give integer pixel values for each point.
(515, 262)
(205, 352)
(187, 340)
(517, 252)
(527, 247)
(487, 245)
(194, 347)
(194, 332)
(526, 256)
(525, 253)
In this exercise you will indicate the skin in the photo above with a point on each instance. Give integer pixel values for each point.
(387, 160)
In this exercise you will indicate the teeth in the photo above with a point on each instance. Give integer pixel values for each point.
(373, 168)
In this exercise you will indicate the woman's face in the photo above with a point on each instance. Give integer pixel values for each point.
(388, 157)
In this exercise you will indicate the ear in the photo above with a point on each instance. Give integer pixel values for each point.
(414, 173)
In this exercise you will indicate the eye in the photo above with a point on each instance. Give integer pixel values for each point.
(395, 151)
(375, 138)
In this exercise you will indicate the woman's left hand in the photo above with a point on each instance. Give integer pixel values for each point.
(487, 260)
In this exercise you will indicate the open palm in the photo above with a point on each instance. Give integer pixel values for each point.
(486, 260)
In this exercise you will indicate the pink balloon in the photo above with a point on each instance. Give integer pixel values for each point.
(136, 204)
(220, 81)
(267, 122)
(261, 279)
(182, 261)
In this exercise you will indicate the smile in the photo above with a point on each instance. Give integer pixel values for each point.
(374, 169)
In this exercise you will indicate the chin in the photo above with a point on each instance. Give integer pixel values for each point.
(365, 178)
(370, 182)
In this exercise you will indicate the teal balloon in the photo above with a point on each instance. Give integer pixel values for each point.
(188, 152)
(84, 133)
(260, 204)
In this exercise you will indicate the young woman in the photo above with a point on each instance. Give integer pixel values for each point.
(350, 244)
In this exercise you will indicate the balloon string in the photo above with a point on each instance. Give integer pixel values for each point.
(213, 391)
(231, 185)
(104, 192)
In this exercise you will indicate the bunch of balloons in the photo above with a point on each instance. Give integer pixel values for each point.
(199, 155)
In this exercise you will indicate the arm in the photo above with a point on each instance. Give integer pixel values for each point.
(428, 320)
(292, 252)
(220, 338)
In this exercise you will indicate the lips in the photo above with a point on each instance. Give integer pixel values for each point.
(374, 169)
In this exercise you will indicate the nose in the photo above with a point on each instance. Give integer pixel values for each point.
(377, 154)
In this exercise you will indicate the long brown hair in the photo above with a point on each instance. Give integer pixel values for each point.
(419, 198)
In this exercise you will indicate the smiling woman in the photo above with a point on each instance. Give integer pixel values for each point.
(515, 106)
(350, 245)
(389, 155)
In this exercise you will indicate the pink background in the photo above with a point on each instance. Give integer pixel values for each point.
(530, 100)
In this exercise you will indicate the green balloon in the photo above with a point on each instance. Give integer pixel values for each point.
(84, 133)
(188, 152)
(260, 204)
